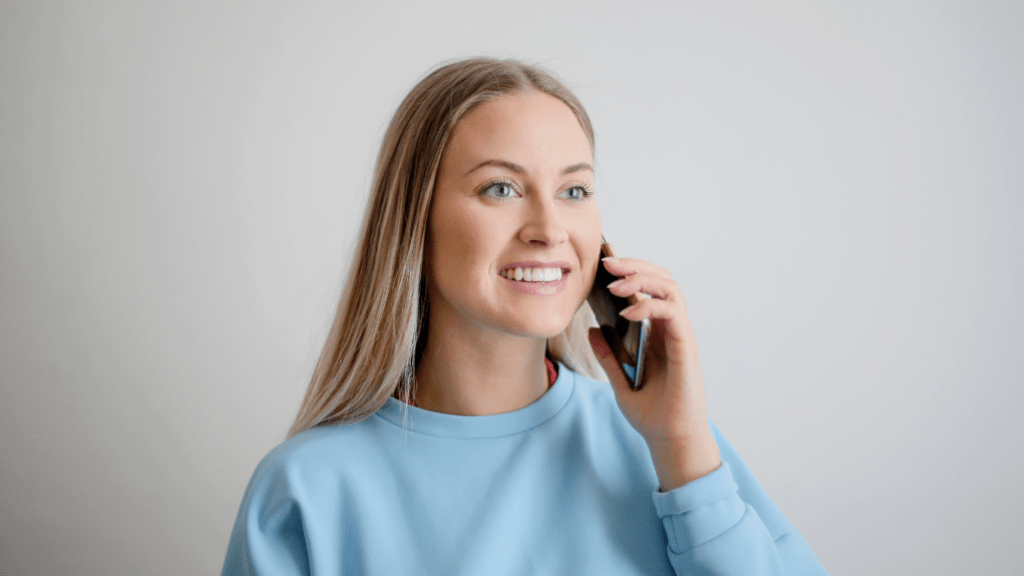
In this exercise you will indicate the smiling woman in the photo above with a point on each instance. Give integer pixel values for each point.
(531, 214)
(456, 422)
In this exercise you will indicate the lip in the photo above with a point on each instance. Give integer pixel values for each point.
(539, 288)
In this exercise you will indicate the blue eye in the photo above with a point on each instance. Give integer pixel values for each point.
(504, 190)
(577, 193)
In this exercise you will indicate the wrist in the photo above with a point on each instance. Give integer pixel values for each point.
(681, 461)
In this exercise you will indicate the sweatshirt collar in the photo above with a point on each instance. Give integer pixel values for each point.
(456, 426)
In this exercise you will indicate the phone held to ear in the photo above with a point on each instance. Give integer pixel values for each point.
(627, 339)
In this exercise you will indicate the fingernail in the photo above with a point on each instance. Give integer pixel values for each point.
(616, 283)
(627, 310)
(609, 259)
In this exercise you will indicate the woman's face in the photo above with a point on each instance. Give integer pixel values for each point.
(513, 191)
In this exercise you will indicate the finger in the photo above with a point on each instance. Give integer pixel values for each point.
(645, 283)
(672, 314)
(654, 309)
(627, 266)
(616, 374)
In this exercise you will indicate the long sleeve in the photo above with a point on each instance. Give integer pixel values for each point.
(268, 537)
(542, 490)
(725, 524)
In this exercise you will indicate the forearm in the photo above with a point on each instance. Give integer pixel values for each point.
(679, 462)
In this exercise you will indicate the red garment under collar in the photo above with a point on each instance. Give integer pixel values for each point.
(552, 372)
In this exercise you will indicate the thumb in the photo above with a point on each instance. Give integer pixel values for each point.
(610, 364)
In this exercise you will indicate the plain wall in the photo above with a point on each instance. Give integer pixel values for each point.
(837, 187)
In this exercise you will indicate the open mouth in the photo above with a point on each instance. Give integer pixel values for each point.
(534, 274)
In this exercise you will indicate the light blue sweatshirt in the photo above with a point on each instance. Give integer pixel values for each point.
(563, 486)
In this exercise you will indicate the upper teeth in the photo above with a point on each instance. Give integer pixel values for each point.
(533, 274)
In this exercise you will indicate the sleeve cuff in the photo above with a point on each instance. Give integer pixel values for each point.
(700, 510)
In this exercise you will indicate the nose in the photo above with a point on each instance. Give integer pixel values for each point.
(544, 227)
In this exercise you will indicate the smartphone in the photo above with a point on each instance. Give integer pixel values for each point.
(627, 339)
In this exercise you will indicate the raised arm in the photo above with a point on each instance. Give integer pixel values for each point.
(717, 518)
(724, 523)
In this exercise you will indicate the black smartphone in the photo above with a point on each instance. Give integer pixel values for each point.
(627, 339)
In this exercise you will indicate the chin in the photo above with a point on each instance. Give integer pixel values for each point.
(548, 329)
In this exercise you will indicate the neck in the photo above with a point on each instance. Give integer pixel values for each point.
(480, 374)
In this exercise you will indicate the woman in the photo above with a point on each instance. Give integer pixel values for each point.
(451, 426)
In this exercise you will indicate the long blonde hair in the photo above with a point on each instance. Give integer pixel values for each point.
(380, 326)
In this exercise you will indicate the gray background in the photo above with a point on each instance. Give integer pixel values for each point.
(836, 186)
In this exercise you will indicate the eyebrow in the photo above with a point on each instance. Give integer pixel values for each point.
(520, 170)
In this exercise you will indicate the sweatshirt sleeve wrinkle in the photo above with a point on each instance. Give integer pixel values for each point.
(270, 536)
(712, 530)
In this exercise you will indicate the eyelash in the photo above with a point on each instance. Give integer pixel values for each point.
(587, 192)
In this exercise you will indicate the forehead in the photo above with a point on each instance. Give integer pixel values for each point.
(534, 129)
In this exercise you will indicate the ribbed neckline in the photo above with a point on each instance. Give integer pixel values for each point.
(455, 426)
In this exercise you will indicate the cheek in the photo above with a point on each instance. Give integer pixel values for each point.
(450, 240)
(464, 243)
(592, 252)
(591, 235)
